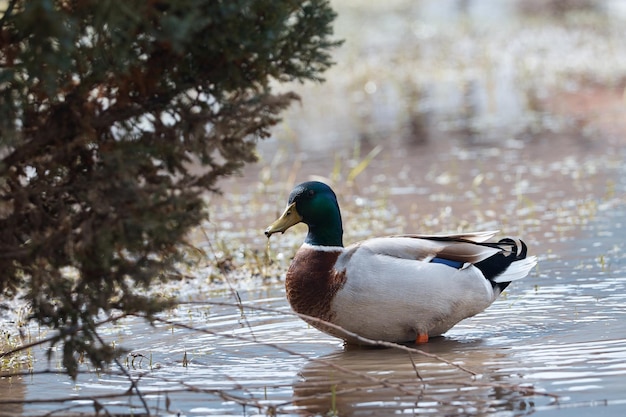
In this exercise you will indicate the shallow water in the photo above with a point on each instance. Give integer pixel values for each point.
(534, 149)
(555, 344)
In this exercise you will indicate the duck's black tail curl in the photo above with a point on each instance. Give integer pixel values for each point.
(495, 267)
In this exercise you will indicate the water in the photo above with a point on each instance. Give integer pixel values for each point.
(481, 117)
(554, 344)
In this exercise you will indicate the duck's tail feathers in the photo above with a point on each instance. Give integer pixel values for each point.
(517, 270)
(510, 264)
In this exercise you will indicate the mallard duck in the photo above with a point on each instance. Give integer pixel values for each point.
(405, 288)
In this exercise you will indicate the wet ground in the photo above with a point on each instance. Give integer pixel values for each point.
(437, 118)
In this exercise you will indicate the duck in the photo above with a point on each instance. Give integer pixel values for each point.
(401, 288)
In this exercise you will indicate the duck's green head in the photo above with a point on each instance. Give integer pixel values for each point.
(315, 204)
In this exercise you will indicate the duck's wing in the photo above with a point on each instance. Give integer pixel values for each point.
(477, 237)
(463, 248)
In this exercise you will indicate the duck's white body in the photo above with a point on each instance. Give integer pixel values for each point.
(391, 290)
(412, 297)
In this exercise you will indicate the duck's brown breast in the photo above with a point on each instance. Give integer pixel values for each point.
(312, 282)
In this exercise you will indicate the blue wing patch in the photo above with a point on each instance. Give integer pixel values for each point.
(453, 264)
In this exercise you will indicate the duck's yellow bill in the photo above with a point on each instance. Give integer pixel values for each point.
(289, 218)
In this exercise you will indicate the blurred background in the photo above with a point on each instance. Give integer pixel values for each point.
(457, 114)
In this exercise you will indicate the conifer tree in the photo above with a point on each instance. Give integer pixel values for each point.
(116, 117)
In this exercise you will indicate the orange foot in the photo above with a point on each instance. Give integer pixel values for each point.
(421, 338)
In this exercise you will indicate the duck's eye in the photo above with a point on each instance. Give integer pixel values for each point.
(311, 193)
